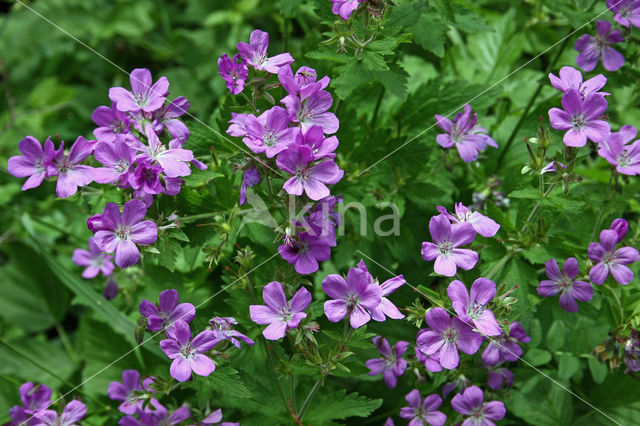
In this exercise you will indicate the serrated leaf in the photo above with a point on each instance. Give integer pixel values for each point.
(373, 61)
(338, 405)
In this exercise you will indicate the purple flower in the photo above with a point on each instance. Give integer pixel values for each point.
(580, 118)
(117, 157)
(303, 83)
(553, 166)
(621, 226)
(321, 147)
(126, 391)
(110, 290)
(35, 398)
(273, 136)
(312, 111)
(160, 416)
(71, 174)
(170, 311)
(391, 365)
(238, 127)
(446, 337)
(499, 376)
(471, 403)
(215, 418)
(174, 161)
(506, 347)
(304, 251)
(618, 151)
(187, 354)
(250, 178)
(114, 124)
(566, 284)
(278, 313)
(473, 308)
(627, 12)
(431, 362)
(255, 53)
(444, 248)
(610, 260)
(468, 137)
(351, 297)
(386, 308)
(344, 8)
(95, 260)
(593, 48)
(72, 413)
(461, 382)
(167, 118)
(144, 96)
(122, 231)
(234, 72)
(146, 178)
(308, 177)
(483, 225)
(34, 163)
(223, 330)
(423, 412)
(631, 353)
(571, 78)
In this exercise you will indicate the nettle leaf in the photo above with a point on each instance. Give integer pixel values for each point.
(225, 380)
(338, 405)
(434, 39)
(373, 61)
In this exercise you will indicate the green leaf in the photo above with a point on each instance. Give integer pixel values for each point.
(373, 61)
(598, 370)
(568, 365)
(556, 335)
(537, 356)
(434, 39)
(338, 405)
(529, 193)
(227, 380)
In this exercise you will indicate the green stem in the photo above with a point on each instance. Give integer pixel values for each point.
(377, 107)
(309, 398)
(618, 303)
(292, 391)
(498, 266)
(537, 207)
(196, 217)
(606, 199)
(275, 377)
(541, 84)
(66, 342)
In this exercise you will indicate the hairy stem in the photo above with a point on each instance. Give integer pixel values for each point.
(309, 398)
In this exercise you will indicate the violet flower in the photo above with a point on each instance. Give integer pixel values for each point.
(593, 48)
(571, 78)
(482, 224)
(72, 413)
(273, 136)
(215, 418)
(609, 260)
(465, 134)
(506, 347)
(35, 398)
(113, 124)
(303, 83)
(352, 297)
(126, 391)
(238, 127)
(344, 8)
(122, 231)
(618, 150)
(174, 161)
(321, 147)
(170, 311)
(471, 403)
(160, 416)
(444, 248)
(621, 226)
(631, 355)
(34, 163)
(117, 157)
(95, 260)
(627, 12)
(499, 376)
(110, 290)
(312, 111)
(580, 118)
(446, 337)
(430, 362)
(72, 174)
(234, 72)
(391, 365)
(255, 53)
(144, 96)
(167, 117)
(188, 355)
(250, 177)
(473, 308)
(146, 178)
(566, 284)
(304, 251)
(386, 308)
(278, 313)
(423, 412)
(460, 382)
(308, 177)
(223, 330)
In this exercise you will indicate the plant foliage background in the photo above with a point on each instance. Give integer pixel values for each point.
(428, 58)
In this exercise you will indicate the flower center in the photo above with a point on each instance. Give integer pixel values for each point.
(187, 352)
(352, 299)
(118, 127)
(565, 283)
(624, 159)
(270, 138)
(305, 112)
(445, 247)
(302, 173)
(450, 335)
(609, 258)
(475, 311)
(578, 121)
(141, 99)
(121, 166)
(123, 232)
(285, 314)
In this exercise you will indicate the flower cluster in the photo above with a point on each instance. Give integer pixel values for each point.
(296, 135)
(35, 409)
(451, 231)
(464, 132)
